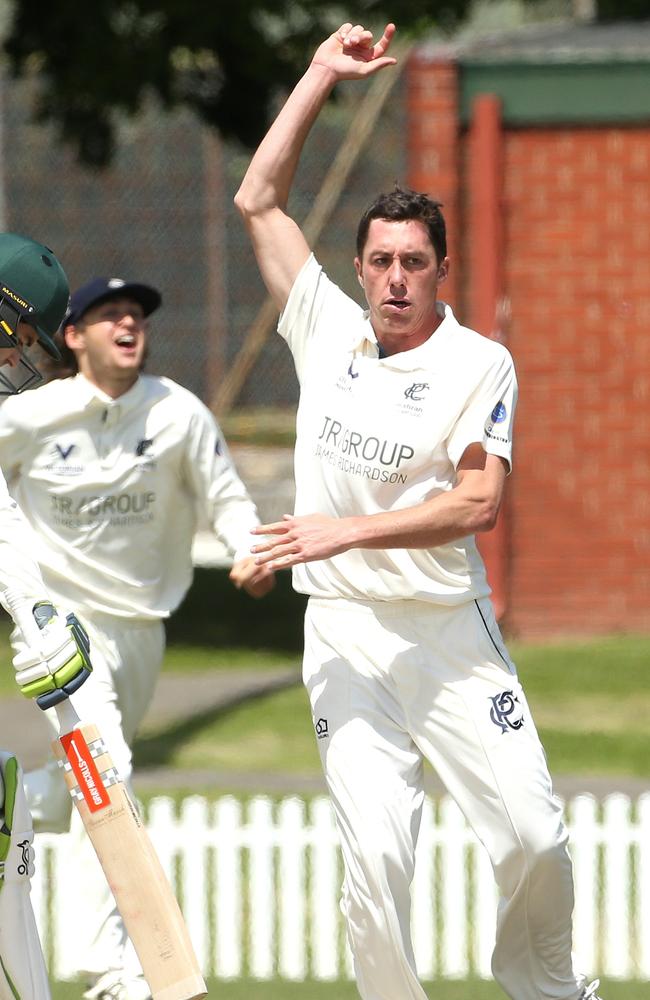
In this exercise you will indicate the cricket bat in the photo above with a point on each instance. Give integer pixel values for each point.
(143, 895)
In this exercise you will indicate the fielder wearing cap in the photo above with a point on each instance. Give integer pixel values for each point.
(115, 468)
(33, 299)
(99, 290)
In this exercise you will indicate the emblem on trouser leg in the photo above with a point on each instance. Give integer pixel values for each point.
(322, 729)
(506, 712)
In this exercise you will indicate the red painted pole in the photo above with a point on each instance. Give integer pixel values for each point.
(486, 298)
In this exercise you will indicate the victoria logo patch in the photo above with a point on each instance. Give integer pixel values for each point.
(65, 452)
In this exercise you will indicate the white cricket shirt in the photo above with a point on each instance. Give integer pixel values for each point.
(384, 434)
(113, 489)
(19, 572)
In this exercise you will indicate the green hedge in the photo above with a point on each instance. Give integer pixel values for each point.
(214, 613)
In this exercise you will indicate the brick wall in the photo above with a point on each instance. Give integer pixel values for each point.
(576, 205)
(577, 213)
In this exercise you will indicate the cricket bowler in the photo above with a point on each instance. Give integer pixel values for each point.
(404, 441)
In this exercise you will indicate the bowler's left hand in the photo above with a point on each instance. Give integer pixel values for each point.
(300, 539)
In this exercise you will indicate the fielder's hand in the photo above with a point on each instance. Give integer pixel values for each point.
(59, 664)
(256, 580)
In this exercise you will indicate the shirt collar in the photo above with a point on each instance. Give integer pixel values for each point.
(418, 357)
(92, 396)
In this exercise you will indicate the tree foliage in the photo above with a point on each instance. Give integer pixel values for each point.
(226, 61)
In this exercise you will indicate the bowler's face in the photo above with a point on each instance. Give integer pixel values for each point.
(400, 275)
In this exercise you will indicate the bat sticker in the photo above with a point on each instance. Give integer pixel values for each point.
(85, 770)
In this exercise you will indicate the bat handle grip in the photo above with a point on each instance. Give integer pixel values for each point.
(68, 718)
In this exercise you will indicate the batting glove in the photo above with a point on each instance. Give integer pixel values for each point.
(61, 662)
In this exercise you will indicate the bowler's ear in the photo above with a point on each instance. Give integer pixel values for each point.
(443, 270)
(357, 267)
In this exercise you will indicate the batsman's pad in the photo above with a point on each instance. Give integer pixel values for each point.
(22, 967)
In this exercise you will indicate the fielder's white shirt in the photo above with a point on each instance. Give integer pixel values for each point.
(113, 489)
(384, 434)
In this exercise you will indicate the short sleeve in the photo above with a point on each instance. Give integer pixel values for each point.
(488, 416)
(316, 307)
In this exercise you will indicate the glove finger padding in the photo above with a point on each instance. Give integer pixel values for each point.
(60, 664)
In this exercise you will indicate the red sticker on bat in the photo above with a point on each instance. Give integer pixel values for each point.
(85, 770)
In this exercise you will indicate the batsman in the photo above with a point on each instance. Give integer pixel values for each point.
(33, 298)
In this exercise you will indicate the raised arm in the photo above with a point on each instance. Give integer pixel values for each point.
(280, 246)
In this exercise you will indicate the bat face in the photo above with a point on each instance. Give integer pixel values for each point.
(148, 907)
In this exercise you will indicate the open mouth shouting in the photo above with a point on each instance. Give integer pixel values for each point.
(127, 342)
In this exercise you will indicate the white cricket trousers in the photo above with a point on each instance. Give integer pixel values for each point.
(126, 657)
(391, 684)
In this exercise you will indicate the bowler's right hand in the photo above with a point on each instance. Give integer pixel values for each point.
(349, 53)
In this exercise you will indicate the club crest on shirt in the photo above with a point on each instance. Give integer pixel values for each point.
(143, 446)
(506, 711)
(412, 396)
(417, 391)
(143, 451)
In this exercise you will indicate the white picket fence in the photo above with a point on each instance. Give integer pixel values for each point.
(260, 883)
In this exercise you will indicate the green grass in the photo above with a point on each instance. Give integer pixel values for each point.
(590, 700)
(266, 734)
(279, 989)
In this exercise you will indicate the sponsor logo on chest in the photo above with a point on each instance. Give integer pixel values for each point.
(65, 460)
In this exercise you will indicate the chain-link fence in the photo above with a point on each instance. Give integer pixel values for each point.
(163, 213)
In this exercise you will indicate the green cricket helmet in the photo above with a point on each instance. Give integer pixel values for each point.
(33, 288)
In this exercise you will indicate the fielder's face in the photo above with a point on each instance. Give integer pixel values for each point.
(400, 275)
(109, 341)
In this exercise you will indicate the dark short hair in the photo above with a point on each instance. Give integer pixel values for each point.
(67, 363)
(402, 204)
